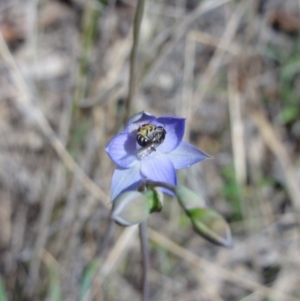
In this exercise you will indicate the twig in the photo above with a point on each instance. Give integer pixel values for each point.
(218, 55)
(209, 40)
(116, 253)
(209, 290)
(103, 90)
(89, 21)
(145, 258)
(86, 165)
(276, 146)
(188, 79)
(26, 107)
(106, 241)
(160, 9)
(178, 33)
(237, 127)
(54, 190)
(132, 76)
(45, 216)
(219, 271)
(51, 261)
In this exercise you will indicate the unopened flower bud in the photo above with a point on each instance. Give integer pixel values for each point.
(211, 225)
(130, 208)
(188, 199)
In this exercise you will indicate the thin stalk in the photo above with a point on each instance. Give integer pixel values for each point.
(160, 184)
(145, 258)
(128, 107)
(132, 75)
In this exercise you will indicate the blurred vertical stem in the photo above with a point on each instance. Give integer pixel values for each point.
(89, 26)
(128, 107)
(132, 75)
(145, 258)
(54, 288)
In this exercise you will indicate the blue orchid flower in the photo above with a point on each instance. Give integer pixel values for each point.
(135, 164)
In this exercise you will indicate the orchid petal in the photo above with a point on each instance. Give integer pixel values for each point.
(122, 150)
(158, 167)
(139, 117)
(186, 155)
(137, 120)
(124, 180)
(174, 127)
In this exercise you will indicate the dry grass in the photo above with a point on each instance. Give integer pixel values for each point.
(230, 67)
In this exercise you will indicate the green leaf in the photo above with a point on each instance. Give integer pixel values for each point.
(3, 296)
(87, 278)
(231, 193)
(54, 288)
(289, 114)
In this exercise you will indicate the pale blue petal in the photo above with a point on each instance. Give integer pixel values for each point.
(174, 127)
(137, 120)
(139, 117)
(125, 180)
(158, 167)
(186, 155)
(122, 150)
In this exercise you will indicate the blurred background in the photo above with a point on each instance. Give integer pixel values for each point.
(232, 68)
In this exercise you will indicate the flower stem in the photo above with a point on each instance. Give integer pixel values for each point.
(160, 184)
(144, 238)
(145, 258)
(132, 76)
